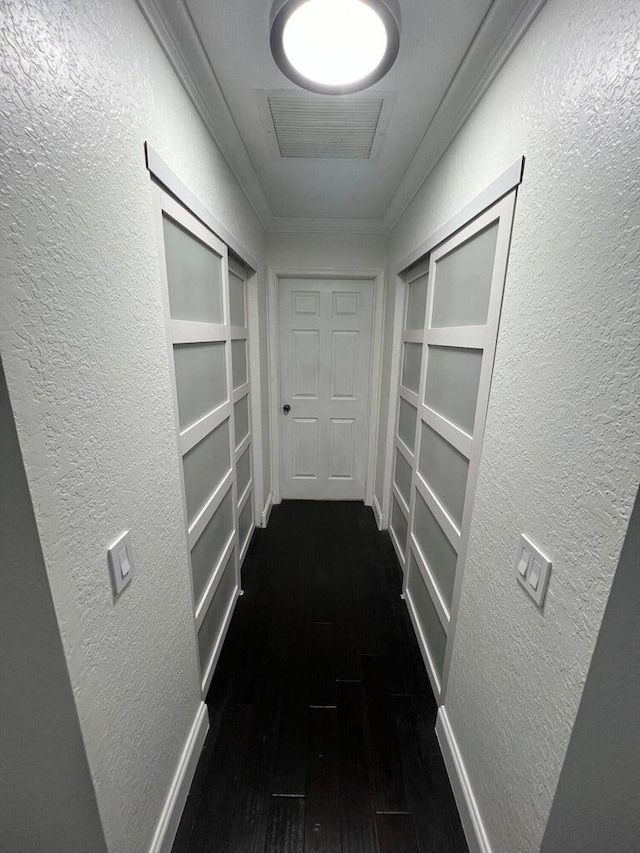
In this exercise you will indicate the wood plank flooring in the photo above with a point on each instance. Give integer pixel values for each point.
(322, 719)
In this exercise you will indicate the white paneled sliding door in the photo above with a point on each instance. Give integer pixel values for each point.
(205, 306)
(454, 296)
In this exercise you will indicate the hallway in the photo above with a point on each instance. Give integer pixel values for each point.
(322, 718)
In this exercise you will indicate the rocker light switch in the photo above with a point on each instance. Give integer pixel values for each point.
(120, 558)
(532, 569)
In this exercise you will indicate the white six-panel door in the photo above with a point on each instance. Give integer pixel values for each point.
(325, 370)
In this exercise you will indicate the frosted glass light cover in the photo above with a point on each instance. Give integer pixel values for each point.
(201, 381)
(205, 465)
(208, 549)
(402, 476)
(194, 276)
(407, 423)
(453, 376)
(241, 419)
(236, 300)
(438, 551)
(445, 470)
(416, 304)
(334, 42)
(411, 364)
(428, 617)
(239, 362)
(463, 282)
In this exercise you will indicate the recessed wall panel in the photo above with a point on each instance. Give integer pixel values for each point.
(194, 276)
(243, 471)
(306, 364)
(208, 549)
(201, 380)
(463, 282)
(407, 423)
(402, 476)
(345, 304)
(205, 465)
(428, 618)
(453, 376)
(305, 304)
(411, 364)
(344, 365)
(244, 522)
(399, 524)
(241, 419)
(305, 447)
(342, 450)
(445, 471)
(237, 300)
(239, 362)
(213, 622)
(438, 551)
(416, 304)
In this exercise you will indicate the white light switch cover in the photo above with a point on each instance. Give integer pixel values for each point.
(120, 558)
(538, 568)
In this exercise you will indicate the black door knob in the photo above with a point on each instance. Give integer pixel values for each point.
(286, 408)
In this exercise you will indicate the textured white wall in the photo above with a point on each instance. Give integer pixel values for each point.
(83, 344)
(328, 251)
(596, 803)
(560, 458)
(48, 801)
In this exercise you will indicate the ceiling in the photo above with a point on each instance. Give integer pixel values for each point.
(389, 136)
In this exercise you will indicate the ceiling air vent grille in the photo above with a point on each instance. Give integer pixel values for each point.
(317, 126)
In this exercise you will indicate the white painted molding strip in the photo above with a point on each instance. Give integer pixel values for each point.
(465, 800)
(266, 512)
(165, 176)
(167, 826)
(502, 185)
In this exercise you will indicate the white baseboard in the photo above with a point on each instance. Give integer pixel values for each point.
(174, 804)
(465, 800)
(377, 511)
(266, 512)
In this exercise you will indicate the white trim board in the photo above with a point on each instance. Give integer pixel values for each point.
(165, 176)
(266, 512)
(470, 816)
(173, 807)
(378, 278)
(497, 189)
(377, 511)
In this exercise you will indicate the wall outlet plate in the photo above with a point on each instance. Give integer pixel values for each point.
(532, 569)
(120, 557)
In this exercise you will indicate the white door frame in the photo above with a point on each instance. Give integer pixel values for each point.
(378, 277)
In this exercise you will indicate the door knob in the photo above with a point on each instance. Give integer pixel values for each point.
(286, 408)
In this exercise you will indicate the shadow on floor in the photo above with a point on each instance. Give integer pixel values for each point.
(322, 718)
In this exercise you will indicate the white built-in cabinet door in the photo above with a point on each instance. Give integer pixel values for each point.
(325, 364)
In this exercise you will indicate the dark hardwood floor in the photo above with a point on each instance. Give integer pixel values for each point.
(322, 718)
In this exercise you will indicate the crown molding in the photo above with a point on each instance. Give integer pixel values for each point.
(326, 225)
(172, 25)
(496, 39)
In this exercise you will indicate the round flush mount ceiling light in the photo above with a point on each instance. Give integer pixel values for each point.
(335, 47)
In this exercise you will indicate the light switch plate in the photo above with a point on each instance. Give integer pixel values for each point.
(120, 557)
(535, 576)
